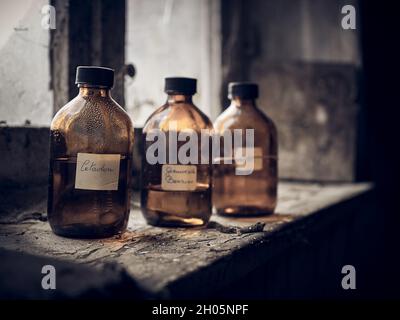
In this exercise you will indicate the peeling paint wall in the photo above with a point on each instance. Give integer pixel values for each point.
(24, 64)
(308, 69)
(302, 30)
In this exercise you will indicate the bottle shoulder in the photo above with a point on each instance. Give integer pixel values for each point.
(265, 133)
(91, 110)
(65, 113)
(92, 126)
(243, 118)
(178, 116)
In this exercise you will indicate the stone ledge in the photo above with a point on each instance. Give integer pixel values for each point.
(172, 262)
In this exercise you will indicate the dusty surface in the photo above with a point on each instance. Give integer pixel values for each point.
(162, 258)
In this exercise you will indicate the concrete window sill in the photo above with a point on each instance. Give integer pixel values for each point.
(316, 226)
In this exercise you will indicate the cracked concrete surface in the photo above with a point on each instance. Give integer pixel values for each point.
(163, 259)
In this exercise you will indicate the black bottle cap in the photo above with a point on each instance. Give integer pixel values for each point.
(96, 76)
(180, 85)
(244, 90)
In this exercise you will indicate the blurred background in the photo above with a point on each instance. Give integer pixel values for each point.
(308, 67)
(330, 90)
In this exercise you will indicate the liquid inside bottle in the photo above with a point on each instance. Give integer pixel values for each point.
(176, 194)
(91, 143)
(255, 193)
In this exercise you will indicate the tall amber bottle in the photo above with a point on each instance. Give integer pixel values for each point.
(175, 192)
(256, 193)
(91, 144)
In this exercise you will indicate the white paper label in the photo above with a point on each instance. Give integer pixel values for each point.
(178, 177)
(97, 171)
(246, 160)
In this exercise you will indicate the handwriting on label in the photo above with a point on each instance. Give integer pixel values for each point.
(97, 171)
(178, 177)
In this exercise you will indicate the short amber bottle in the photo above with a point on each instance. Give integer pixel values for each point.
(91, 145)
(174, 193)
(256, 193)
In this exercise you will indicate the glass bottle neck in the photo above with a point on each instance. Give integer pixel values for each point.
(89, 91)
(179, 98)
(242, 103)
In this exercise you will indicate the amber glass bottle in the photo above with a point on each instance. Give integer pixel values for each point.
(256, 193)
(176, 192)
(91, 144)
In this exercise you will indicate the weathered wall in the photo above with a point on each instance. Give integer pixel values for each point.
(24, 64)
(305, 63)
(24, 156)
(306, 30)
(307, 67)
(314, 107)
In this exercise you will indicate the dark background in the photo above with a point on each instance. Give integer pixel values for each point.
(380, 24)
